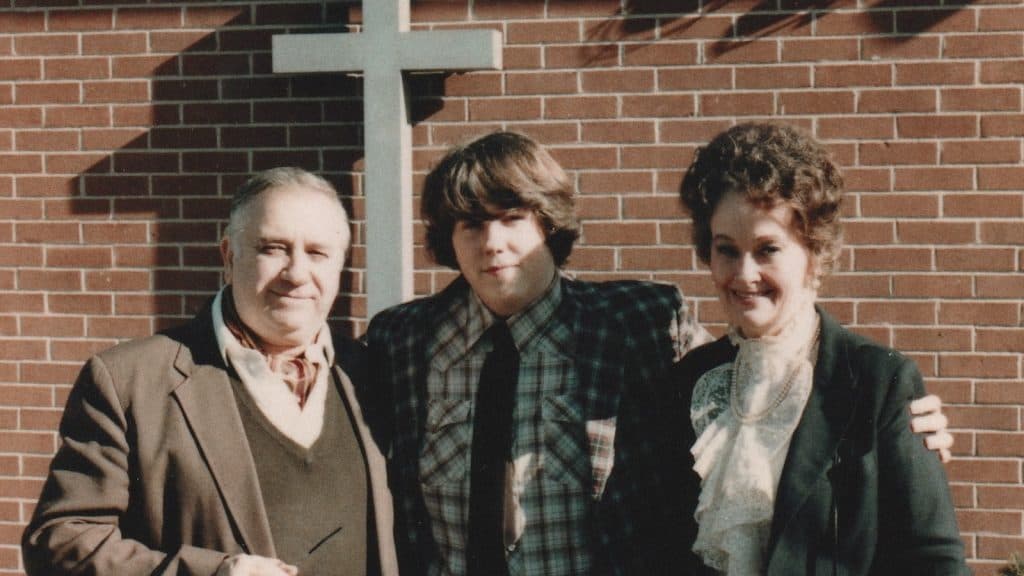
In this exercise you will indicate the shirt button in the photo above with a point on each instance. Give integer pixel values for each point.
(510, 548)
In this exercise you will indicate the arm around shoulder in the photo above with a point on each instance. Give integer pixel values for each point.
(76, 527)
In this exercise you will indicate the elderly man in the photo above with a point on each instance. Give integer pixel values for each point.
(516, 447)
(232, 444)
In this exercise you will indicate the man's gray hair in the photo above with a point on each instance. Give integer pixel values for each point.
(281, 177)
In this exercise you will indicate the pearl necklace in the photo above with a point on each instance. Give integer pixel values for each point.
(734, 394)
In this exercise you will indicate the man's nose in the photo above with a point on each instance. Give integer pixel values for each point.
(297, 270)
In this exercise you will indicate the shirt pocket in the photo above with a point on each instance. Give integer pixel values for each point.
(566, 443)
(446, 446)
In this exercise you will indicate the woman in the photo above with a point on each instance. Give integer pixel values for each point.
(799, 428)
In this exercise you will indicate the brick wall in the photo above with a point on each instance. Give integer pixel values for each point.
(124, 127)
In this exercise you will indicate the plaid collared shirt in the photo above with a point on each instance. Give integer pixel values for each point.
(550, 492)
(584, 347)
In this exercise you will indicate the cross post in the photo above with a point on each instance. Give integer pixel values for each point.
(382, 52)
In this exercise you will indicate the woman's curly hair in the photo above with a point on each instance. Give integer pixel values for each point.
(768, 164)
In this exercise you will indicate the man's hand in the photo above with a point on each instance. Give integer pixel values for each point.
(928, 418)
(249, 565)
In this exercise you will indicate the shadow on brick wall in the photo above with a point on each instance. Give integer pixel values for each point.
(193, 114)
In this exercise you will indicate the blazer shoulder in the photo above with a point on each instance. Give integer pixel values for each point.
(625, 296)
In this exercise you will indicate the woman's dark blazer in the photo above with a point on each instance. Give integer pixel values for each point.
(853, 463)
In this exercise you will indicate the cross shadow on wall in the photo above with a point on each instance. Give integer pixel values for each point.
(896, 19)
(214, 114)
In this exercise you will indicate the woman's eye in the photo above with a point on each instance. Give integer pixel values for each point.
(770, 249)
(726, 250)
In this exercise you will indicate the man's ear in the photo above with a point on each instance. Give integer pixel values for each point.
(225, 254)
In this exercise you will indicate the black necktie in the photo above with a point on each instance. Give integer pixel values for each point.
(492, 449)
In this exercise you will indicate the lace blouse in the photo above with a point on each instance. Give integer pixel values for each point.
(744, 414)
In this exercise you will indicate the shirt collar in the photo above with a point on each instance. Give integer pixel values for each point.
(524, 326)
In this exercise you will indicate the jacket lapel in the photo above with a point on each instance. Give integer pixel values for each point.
(377, 472)
(208, 403)
(816, 439)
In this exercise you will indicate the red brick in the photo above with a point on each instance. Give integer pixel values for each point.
(21, 117)
(898, 48)
(78, 257)
(975, 259)
(20, 487)
(559, 31)
(632, 29)
(53, 327)
(982, 46)
(1001, 72)
(46, 44)
(710, 78)
(737, 104)
(597, 208)
(930, 232)
(79, 303)
(962, 469)
(628, 81)
(1001, 445)
(1001, 339)
(55, 280)
(1002, 178)
(46, 140)
(1001, 497)
(875, 101)
(983, 205)
(624, 132)
(120, 328)
(820, 50)
(933, 126)
(47, 93)
(848, 75)
(980, 99)
(507, 9)
(867, 232)
(150, 256)
(895, 312)
(13, 22)
(852, 23)
(855, 286)
(663, 157)
(695, 131)
(656, 207)
(505, 109)
(22, 349)
(80, 20)
(21, 302)
(619, 233)
(175, 42)
(148, 18)
(78, 350)
(997, 286)
(215, 65)
(521, 57)
(77, 116)
(50, 373)
(589, 157)
(981, 152)
(977, 366)
(933, 178)
(816, 102)
(438, 10)
(660, 54)
(47, 232)
(19, 209)
(934, 21)
(934, 73)
(562, 8)
(896, 153)
(658, 258)
(899, 259)
(20, 69)
(1002, 233)
(147, 305)
(580, 107)
(115, 91)
(540, 83)
(669, 106)
(1006, 392)
(616, 182)
(744, 51)
(936, 339)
